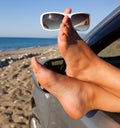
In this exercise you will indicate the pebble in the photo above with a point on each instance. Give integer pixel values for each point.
(10, 60)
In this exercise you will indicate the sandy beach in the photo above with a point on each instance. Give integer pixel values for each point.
(16, 84)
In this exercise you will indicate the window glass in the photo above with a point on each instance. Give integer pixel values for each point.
(112, 50)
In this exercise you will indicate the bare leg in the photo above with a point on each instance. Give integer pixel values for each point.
(82, 63)
(77, 97)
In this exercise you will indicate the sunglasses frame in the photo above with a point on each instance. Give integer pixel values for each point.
(69, 15)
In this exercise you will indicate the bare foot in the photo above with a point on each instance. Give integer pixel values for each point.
(75, 98)
(75, 51)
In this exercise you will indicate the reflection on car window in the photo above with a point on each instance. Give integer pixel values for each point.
(112, 50)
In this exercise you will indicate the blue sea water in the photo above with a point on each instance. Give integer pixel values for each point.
(10, 43)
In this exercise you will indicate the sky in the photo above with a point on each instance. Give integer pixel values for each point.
(21, 18)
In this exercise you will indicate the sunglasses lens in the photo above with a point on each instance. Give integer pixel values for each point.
(52, 21)
(80, 21)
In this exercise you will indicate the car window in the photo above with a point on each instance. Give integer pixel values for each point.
(112, 50)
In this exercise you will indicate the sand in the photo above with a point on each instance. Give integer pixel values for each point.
(16, 84)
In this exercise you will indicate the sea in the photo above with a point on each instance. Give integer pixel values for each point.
(14, 43)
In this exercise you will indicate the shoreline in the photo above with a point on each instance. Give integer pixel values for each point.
(12, 52)
(16, 84)
(15, 43)
(26, 48)
(8, 57)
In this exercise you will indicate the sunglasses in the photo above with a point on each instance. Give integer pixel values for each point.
(51, 21)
